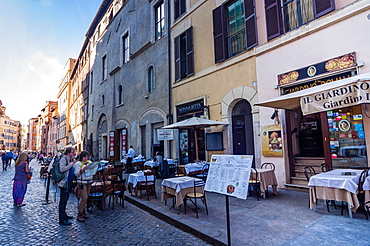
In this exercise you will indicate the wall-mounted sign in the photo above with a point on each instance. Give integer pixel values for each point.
(340, 97)
(335, 64)
(313, 83)
(124, 141)
(187, 110)
(165, 134)
(272, 141)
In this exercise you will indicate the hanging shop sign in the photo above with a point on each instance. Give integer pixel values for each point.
(272, 141)
(340, 97)
(124, 141)
(335, 64)
(165, 134)
(111, 143)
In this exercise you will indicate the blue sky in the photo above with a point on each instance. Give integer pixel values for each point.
(36, 39)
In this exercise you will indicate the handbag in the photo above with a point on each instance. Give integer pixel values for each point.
(29, 175)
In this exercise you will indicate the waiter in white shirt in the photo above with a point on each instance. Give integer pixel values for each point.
(130, 155)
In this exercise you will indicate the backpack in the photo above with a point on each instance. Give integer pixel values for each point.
(56, 175)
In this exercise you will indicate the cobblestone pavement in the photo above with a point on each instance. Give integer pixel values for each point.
(37, 224)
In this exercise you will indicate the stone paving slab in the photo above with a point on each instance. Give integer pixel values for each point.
(37, 224)
(278, 220)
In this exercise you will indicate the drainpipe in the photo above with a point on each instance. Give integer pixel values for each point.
(170, 118)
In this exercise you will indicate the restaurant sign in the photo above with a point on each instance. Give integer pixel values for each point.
(316, 82)
(334, 64)
(188, 110)
(165, 134)
(340, 97)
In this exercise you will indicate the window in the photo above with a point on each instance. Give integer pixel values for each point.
(285, 15)
(150, 79)
(184, 55)
(159, 20)
(125, 49)
(179, 8)
(91, 81)
(234, 28)
(104, 68)
(102, 100)
(120, 95)
(92, 112)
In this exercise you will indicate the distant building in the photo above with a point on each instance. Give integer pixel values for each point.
(10, 132)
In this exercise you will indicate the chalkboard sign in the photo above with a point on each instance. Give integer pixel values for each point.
(214, 141)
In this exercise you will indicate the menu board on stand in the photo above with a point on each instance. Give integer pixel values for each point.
(229, 175)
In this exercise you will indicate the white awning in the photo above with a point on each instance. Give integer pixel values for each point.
(293, 100)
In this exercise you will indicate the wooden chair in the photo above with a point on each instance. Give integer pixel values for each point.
(148, 186)
(268, 165)
(254, 183)
(193, 196)
(177, 163)
(97, 194)
(118, 191)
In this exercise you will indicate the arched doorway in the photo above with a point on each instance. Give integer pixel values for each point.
(243, 140)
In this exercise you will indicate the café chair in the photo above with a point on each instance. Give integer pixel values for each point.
(177, 163)
(361, 192)
(118, 191)
(254, 183)
(367, 208)
(204, 173)
(268, 165)
(325, 168)
(148, 186)
(97, 194)
(193, 196)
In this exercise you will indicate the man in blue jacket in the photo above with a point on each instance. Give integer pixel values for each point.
(5, 160)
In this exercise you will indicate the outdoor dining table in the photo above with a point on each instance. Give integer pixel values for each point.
(333, 185)
(97, 185)
(178, 187)
(135, 178)
(267, 177)
(194, 168)
(152, 164)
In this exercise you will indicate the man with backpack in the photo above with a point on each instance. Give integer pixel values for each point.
(65, 164)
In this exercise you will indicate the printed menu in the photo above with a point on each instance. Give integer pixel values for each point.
(229, 175)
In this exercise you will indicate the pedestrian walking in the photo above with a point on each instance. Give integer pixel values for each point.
(20, 179)
(130, 155)
(64, 165)
(5, 160)
(84, 179)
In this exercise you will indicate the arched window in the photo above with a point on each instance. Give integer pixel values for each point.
(120, 95)
(150, 79)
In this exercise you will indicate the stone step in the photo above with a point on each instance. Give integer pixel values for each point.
(309, 161)
(299, 180)
(297, 187)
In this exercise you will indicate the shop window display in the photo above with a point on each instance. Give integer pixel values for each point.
(347, 137)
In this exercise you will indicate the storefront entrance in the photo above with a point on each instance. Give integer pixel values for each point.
(243, 140)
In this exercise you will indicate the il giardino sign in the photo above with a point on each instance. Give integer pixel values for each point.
(340, 97)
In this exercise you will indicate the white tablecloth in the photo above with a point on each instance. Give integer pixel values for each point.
(134, 160)
(153, 163)
(179, 183)
(366, 185)
(334, 179)
(134, 178)
(192, 167)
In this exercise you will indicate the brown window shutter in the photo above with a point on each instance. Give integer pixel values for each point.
(273, 18)
(177, 59)
(323, 7)
(219, 30)
(250, 23)
(189, 51)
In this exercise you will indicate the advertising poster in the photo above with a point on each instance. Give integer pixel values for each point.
(272, 141)
(123, 142)
(111, 144)
(229, 175)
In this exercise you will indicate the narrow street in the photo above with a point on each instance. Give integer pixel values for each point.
(37, 224)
